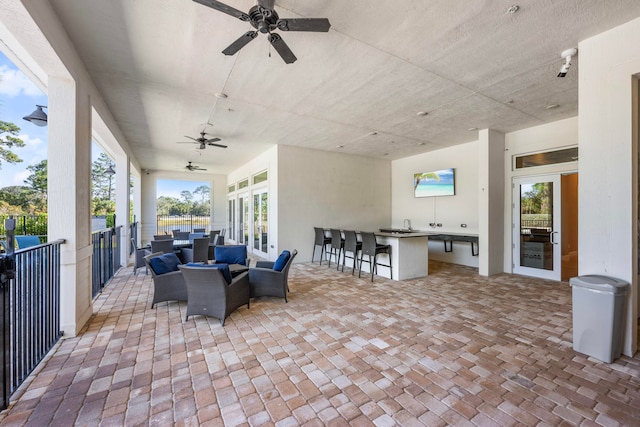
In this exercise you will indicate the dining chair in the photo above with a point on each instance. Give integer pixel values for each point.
(182, 235)
(321, 240)
(164, 246)
(162, 237)
(371, 248)
(199, 252)
(139, 259)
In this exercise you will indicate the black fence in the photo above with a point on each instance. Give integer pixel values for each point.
(32, 315)
(106, 257)
(165, 224)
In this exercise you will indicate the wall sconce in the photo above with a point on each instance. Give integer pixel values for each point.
(38, 117)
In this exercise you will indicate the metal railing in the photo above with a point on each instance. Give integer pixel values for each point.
(106, 257)
(166, 223)
(34, 309)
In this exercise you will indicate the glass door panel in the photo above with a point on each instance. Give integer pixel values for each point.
(243, 219)
(232, 219)
(537, 220)
(260, 222)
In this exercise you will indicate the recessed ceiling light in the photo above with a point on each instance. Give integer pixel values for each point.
(510, 101)
(339, 146)
(421, 113)
(513, 9)
(385, 154)
(221, 95)
(472, 129)
(421, 143)
(552, 106)
(372, 133)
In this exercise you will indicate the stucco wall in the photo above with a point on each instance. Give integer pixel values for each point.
(450, 211)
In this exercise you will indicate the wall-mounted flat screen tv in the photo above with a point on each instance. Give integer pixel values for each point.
(434, 183)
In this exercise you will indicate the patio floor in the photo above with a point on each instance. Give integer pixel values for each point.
(450, 349)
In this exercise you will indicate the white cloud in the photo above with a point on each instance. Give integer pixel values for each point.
(14, 83)
(30, 142)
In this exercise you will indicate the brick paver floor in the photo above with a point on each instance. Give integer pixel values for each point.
(450, 349)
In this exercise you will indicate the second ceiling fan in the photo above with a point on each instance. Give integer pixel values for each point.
(265, 20)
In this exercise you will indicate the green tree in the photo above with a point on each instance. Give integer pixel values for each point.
(37, 181)
(18, 196)
(203, 191)
(103, 188)
(9, 139)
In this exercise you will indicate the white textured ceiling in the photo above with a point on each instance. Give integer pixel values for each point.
(469, 64)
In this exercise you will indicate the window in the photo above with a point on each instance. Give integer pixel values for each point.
(261, 177)
(243, 184)
(566, 155)
(232, 188)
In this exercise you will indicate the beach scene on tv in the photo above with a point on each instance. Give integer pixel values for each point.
(435, 183)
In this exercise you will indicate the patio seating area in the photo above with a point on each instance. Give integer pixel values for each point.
(453, 348)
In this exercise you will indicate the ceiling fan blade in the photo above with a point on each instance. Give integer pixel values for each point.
(224, 8)
(304, 24)
(213, 140)
(234, 47)
(191, 138)
(217, 145)
(281, 47)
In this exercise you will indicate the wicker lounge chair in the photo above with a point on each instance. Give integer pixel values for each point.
(211, 294)
(271, 278)
(167, 286)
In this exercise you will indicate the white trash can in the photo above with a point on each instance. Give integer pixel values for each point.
(598, 313)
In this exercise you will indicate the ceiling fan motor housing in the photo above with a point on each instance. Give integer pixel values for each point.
(262, 19)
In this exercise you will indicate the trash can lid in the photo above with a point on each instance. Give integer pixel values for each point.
(600, 283)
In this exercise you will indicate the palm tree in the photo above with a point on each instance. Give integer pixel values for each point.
(424, 176)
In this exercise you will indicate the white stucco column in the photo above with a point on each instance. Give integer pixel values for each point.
(69, 194)
(122, 204)
(608, 184)
(490, 202)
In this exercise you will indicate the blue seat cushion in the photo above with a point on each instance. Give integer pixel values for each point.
(281, 261)
(164, 264)
(224, 269)
(231, 254)
(27, 241)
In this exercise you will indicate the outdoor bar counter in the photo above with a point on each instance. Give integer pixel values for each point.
(410, 250)
(409, 254)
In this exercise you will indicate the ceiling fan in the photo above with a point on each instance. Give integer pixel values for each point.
(203, 141)
(190, 167)
(265, 20)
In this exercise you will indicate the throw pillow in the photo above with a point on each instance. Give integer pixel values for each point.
(231, 254)
(164, 264)
(224, 269)
(281, 261)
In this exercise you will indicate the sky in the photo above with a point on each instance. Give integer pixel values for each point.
(18, 98)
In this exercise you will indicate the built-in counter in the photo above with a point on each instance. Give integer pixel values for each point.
(410, 250)
(409, 254)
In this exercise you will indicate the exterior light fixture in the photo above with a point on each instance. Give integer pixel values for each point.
(38, 117)
(110, 170)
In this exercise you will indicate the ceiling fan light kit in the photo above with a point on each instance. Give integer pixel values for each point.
(265, 19)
